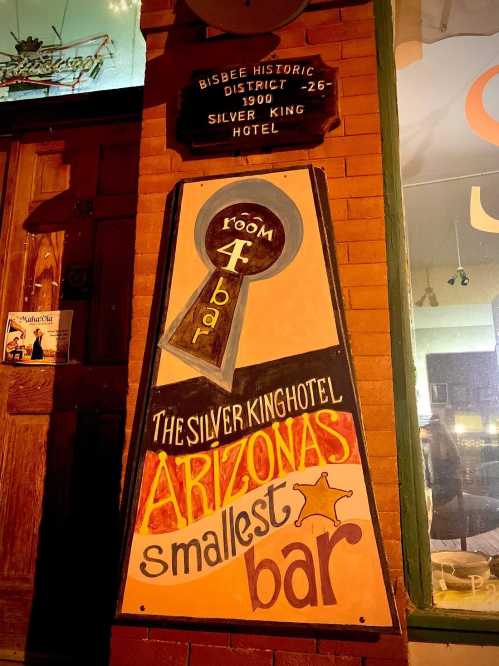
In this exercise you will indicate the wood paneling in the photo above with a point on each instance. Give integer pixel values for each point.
(70, 204)
(118, 168)
(40, 390)
(42, 279)
(114, 244)
(22, 476)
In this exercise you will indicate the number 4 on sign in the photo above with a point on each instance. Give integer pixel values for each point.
(234, 251)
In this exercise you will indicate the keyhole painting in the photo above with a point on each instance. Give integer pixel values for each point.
(249, 498)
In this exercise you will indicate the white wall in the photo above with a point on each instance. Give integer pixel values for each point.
(462, 322)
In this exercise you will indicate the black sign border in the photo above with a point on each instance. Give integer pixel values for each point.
(331, 114)
(137, 449)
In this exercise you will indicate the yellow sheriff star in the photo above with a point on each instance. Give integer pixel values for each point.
(320, 499)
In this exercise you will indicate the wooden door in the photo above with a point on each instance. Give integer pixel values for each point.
(67, 243)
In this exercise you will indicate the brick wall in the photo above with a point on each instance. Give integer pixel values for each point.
(351, 158)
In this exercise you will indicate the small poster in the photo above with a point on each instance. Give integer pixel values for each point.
(38, 338)
(250, 498)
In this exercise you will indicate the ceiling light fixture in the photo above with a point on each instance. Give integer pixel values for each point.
(460, 273)
(429, 294)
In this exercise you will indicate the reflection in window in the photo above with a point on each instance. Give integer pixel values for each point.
(63, 47)
(448, 88)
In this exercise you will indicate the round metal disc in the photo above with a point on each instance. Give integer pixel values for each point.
(247, 17)
(264, 193)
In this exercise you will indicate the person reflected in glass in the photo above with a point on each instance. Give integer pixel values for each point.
(444, 462)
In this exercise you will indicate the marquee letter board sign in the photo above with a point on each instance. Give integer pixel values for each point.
(259, 105)
(251, 498)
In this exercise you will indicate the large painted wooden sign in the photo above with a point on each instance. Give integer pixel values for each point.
(259, 105)
(250, 498)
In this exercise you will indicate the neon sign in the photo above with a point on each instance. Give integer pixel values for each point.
(56, 65)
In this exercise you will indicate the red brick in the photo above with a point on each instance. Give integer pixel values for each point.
(390, 523)
(291, 37)
(320, 16)
(347, 661)
(154, 111)
(267, 642)
(373, 367)
(366, 207)
(365, 252)
(358, 47)
(155, 20)
(384, 470)
(356, 186)
(355, 275)
(202, 655)
(332, 166)
(149, 222)
(390, 647)
(387, 496)
(366, 298)
(331, 51)
(355, 66)
(393, 550)
(358, 230)
(364, 164)
(362, 124)
(368, 321)
(345, 146)
(337, 131)
(124, 632)
(381, 443)
(189, 636)
(152, 203)
(359, 104)
(338, 209)
(159, 163)
(146, 264)
(375, 393)
(154, 145)
(154, 5)
(378, 417)
(340, 31)
(341, 253)
(346, 298)
(360, 85)
(357, 12)
(371, 344)
(156, 183)
(375, 661)
(279, 156)
(153, 127)
(147, 243)
(133, 652)
(293, 659)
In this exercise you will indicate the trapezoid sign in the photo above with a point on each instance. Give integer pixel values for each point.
(249, 497)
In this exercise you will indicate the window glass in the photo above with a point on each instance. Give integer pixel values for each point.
(61, 47)
(448, 92)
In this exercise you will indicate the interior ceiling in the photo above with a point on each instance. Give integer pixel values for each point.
(438, 143)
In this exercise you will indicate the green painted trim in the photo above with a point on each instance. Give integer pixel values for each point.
(452, 626)
(456, 636)
(425, 623)
(415, 540)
